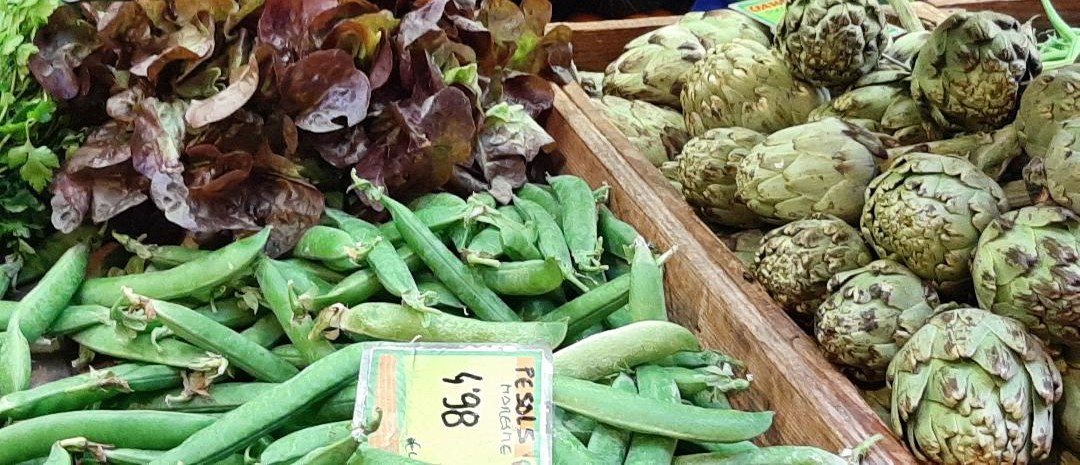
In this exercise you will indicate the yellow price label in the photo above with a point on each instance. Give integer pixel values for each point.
(458, 404)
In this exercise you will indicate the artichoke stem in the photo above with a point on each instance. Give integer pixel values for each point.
(908, 19)
(1019, 194)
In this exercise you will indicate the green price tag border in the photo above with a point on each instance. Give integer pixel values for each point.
(544, 406)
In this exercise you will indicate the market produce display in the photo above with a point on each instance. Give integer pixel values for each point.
(254, 357)
(922, 183)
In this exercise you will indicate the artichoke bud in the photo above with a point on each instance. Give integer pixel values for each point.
(653, 66)
(972, 387)
(657, 132)
(743, 83)
(819, 167)
(870, 313)
(705, 172)
(832, 43)
(971, 70)
(796, 261)
(1027, 267)
(1052, 98)
(1062, 166)
(927, 212)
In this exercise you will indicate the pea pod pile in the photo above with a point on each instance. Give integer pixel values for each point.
(229, 356)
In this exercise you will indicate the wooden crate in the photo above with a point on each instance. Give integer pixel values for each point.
(706, 292)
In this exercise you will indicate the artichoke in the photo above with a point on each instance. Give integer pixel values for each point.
(820, 167)
(870, 313)
(659, 133)
(744, 244)
(796, 261)
(1027, 267)
(881, 101)
(927, 212)
(1052, 98)
(1061, 166)
(745, 84)
(1069, 409)
(653, 66)
(971, 387)
(832, 43)
(971, 70)
(705, 172)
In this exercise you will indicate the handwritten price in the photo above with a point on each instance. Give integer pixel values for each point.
(461, 413)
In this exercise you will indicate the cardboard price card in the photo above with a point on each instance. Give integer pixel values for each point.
(458, 404)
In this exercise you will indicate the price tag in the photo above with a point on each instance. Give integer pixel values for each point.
(457, 404)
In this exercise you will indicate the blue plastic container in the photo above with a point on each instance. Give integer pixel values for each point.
(707, 5)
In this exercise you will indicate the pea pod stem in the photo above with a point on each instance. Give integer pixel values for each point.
(645, 415)
(161, 256)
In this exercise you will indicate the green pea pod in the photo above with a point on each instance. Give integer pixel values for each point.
(788, 455)
(646, 285)
(592, 307)
(35, 312)
(229, 313)
(284, 304)
(331, 454)
(81, 391)
(641, 414)
(579, 221)
(302, 282)
(550, 239)
(463, 232)
(435, 217)
(580, 426)
(568, 450)
(139, 429)
(204, 333)
(103, 339)
(337, 407)
(534, 309)
(58, 455)
(9, 271)
(315, 269)
(618, 235)
(265, 331)
(361, 285)
(393, 322)
(218, 398)
(332, 247)
(441, 261)
(647, 449)
(518, 239)
(194, 279)
(443, 297)
(7, 309)
(437, 200)
(608, 443)
(613, 351)
(161, 256)
(238, 428)
(526, 278)
(142, 457)
(540, 196)
(485, 248)
(14, 359)
(296, 445)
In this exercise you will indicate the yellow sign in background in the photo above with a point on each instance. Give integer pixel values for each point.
(458, 405)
